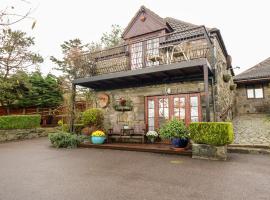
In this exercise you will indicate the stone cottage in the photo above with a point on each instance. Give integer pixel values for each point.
(165, 68)
(252, 105)
(253, 89)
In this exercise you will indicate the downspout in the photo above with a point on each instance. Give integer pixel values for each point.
(213, 97)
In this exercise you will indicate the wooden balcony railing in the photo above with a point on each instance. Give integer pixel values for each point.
(163, 50)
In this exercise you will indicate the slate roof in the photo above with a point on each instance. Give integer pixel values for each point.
(259, 71)
(179, 25)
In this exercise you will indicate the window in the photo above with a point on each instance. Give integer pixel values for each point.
(152, 50)
(255, 92)
(136, 56)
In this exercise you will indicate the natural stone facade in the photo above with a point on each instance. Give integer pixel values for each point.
(252, 129)
(137, 96)
(209, 152)
(245, 105)
(224, 96)
(20, 134)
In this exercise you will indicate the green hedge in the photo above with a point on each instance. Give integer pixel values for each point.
(19, 121)
(212, 133)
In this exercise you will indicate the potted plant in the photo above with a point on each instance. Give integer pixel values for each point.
(176, 131)
(152, 135)
(98, 137)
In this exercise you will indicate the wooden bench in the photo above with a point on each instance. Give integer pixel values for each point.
(117, 132)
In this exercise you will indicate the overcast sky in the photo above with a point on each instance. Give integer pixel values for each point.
(244, 24)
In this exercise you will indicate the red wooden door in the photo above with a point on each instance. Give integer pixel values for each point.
(159, 109)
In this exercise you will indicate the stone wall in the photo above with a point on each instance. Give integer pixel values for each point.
(19, 134)
(252, 129)
(245, 105)
(137, 96)
(224, 96)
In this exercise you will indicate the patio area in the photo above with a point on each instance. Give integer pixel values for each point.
(153, 148)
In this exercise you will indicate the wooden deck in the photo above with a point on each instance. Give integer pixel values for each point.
(154, 148)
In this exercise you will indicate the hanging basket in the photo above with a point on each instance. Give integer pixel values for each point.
(233, 87)
(122, 108)
(226, 78)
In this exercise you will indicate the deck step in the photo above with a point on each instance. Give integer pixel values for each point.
(165, 149)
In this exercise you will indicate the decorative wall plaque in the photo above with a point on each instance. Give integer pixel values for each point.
(103, 100)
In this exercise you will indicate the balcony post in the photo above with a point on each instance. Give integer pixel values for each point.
(72, 110)
(206, 91)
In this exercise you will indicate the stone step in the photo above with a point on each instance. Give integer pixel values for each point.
(260, 146)
(248, 150)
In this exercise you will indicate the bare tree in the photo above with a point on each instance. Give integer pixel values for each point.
(9, 16)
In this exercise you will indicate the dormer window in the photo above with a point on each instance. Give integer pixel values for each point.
(255, 92)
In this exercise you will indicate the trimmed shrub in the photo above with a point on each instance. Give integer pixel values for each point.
(212, 133)
(174, 129)
(64, 140)
(93, 117)
(20, 121)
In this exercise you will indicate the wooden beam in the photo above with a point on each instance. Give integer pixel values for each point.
(73, 104)
(206, 91)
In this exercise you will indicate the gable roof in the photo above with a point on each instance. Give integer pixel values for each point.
(160, 21)
(259, 71)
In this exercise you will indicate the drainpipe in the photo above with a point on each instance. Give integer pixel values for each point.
(213, 97)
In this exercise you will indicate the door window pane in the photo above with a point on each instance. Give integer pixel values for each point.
(136, 55)
(194, 109)
(152, 52)
(151, 115)
(179, 107)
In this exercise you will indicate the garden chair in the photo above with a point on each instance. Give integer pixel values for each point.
(139, 131)
(115, 132)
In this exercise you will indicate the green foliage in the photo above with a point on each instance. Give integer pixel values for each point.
(15, 52)
(77, 128)
(44, 92)
(212, 133)
(64, 140)
(113, 38)
(174, 129)
(93, 117)
(19, 121)
(71, 65)
(13, 88)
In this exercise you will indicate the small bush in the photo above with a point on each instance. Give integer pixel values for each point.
(19, 121)
(212, 133)
(174, 129)
(77, 128)
(64, 140)
(93, 117)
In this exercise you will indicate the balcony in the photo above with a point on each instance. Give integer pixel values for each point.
(165, 56)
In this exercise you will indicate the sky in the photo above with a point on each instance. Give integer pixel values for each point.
(244, 24)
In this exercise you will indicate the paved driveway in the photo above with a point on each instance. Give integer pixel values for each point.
(32, 170)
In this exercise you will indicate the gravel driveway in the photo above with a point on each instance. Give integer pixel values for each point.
(32, 170)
